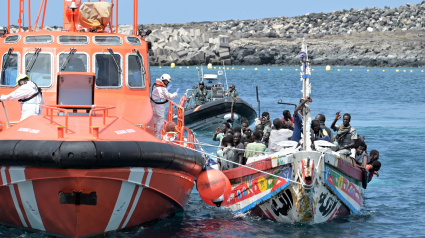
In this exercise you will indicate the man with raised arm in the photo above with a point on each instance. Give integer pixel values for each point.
(346, 134)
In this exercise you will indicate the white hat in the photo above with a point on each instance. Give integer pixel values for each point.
(166, 77)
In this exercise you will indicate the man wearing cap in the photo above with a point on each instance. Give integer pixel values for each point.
(29, 94)
(201, 94)
(159, 100)
(232, 92)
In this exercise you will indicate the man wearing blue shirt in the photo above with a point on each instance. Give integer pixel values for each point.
(298, 119)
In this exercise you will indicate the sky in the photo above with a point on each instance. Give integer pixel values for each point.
(161, 11)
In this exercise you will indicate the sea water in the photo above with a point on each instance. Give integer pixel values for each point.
(387, 107)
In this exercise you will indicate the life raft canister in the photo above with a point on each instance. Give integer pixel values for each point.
(182, 101)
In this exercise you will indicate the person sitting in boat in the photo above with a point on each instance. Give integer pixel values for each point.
(280, 133)
(229, 132)
(245, 126)
(201, 95)
(219, 132)
(373, 168)
(317, 133)
(228, 154)
(346, 136)
(288, 119)
(298, 119)
(265, 121)
(265, 140)
(254, 148)
(360, 158)
(239, 148)
(322, 119)
(374, 155)
(29, 94)
(232, 92)
(260, 129)
(159, 98)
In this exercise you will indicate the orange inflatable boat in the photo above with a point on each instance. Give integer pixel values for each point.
(89, 164)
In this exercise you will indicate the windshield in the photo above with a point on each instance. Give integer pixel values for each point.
(77, 62)
(41, 72)
(107, 71)
(135, 76)
(8, 76)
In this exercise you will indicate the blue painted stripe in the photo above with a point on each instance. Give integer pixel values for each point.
(264, 198)
(346, 202)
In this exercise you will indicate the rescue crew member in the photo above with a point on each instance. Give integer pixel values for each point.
(29, 94)
(232, 92)
(159, 98)
(201, 94)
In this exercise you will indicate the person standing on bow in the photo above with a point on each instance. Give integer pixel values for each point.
(201, 94)
(159, 98)
(29, 94)
(232, 92)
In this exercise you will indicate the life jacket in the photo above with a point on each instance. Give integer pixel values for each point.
(203, 92)
(160, 85)
(32, 96)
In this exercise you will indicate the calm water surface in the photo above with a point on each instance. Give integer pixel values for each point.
(387, 107)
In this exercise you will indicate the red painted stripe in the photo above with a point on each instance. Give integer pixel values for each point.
(242, 171)
(8, 179)
(145, 176)
(18, 197)
(269, 214)
(349, 169)
(129, 206)
(8, 213)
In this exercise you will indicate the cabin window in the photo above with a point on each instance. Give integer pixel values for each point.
(108, 40)
(41, 39)
(10, 69)
(77, 62)
(135, 72)
(133, 40)
(12, 39)
(73, 40)
(108, 70)
(41, 71)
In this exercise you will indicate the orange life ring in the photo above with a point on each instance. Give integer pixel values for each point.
(182, 100)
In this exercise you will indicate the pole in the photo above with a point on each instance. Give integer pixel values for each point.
(21, 11)
(38, 16)
(116, 18)
(29, 15)
(5, 113)
(258, 100)
(8, 14)
(44, 14)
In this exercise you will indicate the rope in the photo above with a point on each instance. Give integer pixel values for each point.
(277, 176)
(221, 147)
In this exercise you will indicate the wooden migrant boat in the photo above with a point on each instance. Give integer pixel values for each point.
(89, 164)
(298, 186)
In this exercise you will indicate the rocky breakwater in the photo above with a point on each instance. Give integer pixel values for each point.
(188, 47)
(369, 36)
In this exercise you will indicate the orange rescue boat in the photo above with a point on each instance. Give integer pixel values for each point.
(89, 164)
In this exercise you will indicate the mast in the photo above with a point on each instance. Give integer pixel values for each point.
(305, 73)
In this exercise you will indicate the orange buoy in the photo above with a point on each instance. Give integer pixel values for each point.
(223, 198)
(211, 184)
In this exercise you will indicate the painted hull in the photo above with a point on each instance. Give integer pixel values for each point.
(328, 187)
(125, 198)
(211, 115)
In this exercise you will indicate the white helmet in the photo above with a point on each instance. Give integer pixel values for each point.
(166, 77)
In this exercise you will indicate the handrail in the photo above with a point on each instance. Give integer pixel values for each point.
(64, 108)
(181, 129)
(51, 114)
(105, 114)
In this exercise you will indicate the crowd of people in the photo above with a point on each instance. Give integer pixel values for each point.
(239, 143)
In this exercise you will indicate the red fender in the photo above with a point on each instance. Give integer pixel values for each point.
(182, 100)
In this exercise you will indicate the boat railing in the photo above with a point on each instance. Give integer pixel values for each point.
(64, 109)
(181, 129)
